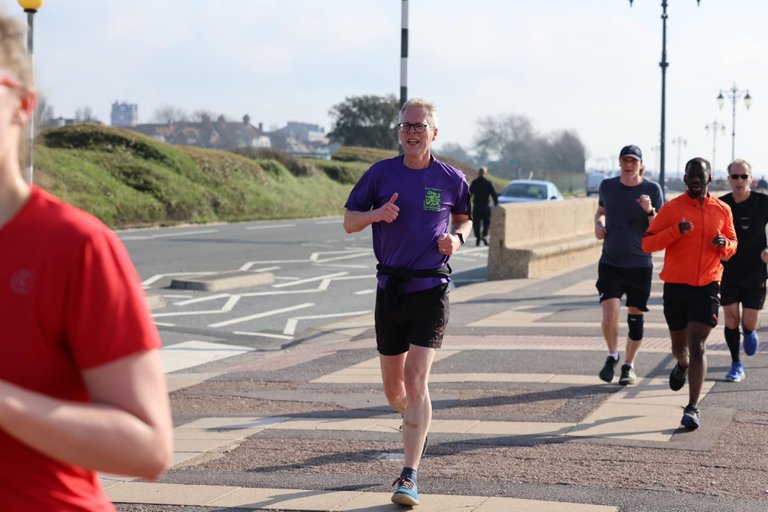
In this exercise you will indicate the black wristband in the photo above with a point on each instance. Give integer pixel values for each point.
(461, 238)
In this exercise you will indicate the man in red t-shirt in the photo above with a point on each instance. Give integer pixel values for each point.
(81, 383)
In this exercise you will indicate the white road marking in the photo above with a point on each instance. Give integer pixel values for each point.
(273, 226)
(290, 325)
(168, 235)
(262, 315)
(265, 335)
(193, 353)
(265, 269)
(201, 299)
(311, 279)
(227, 307)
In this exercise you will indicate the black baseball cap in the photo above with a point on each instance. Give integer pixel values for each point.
(631, 151)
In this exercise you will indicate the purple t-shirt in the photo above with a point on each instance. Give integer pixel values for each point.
(427, 198)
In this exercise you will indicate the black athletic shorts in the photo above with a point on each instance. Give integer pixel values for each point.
(613, 282)
(751, 297)
(684, 303)
(417, 318)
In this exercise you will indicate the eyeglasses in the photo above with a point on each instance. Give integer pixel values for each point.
(737, 176)
(417, 127)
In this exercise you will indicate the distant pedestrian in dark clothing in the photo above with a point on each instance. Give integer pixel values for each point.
(482, 191)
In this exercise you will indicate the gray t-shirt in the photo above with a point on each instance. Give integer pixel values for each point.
(626, 222)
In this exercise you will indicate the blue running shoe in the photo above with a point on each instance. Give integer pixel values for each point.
(750, 343)
(691, 418)
(406, 492)
(736, 374)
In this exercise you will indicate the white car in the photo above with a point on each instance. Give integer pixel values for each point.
(518, 191)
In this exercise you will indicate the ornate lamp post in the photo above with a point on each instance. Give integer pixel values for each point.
(679, 142)
(404, 53)
(714, 126)
(734, 94)
(30, 7)
(663, 64)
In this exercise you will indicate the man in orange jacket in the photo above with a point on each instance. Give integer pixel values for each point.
(696, 230)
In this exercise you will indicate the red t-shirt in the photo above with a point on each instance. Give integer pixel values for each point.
(70, 300)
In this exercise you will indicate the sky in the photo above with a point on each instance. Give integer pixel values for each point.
(589, 66)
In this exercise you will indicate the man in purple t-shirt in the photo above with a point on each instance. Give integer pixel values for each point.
(418, 209)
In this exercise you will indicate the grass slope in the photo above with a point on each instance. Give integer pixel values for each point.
(129, 180)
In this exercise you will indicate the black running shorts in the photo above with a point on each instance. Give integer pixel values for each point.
(750, 297)
(684, 303)
(613, 282)
(417, 318)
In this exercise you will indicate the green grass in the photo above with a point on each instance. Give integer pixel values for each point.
(130, 180)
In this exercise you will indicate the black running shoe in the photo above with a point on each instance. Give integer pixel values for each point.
(691, 418)
(628, 376)
(677, 377)
(609, 369)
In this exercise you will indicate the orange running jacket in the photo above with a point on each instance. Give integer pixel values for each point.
(691, 258)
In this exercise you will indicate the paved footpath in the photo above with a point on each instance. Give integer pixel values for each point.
(521, 421)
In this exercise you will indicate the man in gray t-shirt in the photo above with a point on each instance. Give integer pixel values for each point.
(626, 205)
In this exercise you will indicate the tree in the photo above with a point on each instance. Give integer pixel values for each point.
(168, 114)
(203, 116)
(367, 121)
(512, 149)
(566, 152)
(507, 143)
(43, 113)
(455, 151)
(84, 115)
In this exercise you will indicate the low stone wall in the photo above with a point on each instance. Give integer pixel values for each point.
(538, 238)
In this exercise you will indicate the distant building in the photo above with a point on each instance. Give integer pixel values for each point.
(207, 133)
(124, 115)
(304, 140)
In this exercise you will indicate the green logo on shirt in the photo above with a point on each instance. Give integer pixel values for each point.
(432, 200)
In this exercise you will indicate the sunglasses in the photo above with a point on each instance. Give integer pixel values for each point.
(739, 176)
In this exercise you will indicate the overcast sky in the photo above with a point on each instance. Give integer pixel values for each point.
(591, 66)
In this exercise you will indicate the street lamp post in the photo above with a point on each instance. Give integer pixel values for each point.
(30, 7)
(404, 53)
(663, 64)
(734, 94)
(714, 126)
(679, 142)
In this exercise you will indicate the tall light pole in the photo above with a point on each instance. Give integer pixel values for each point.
(404, 53)
(30, 7)
(734, 94)
(714, 126)
(679, 142)
(663, 64)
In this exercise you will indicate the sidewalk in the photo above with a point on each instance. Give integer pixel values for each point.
(521, 421)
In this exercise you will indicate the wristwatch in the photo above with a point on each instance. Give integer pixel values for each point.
(461, 238)
(651, 213)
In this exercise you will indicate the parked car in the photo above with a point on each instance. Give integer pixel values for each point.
(595, 178)
(518, 191)
(593, 182)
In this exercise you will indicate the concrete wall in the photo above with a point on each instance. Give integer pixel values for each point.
(538, 238)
